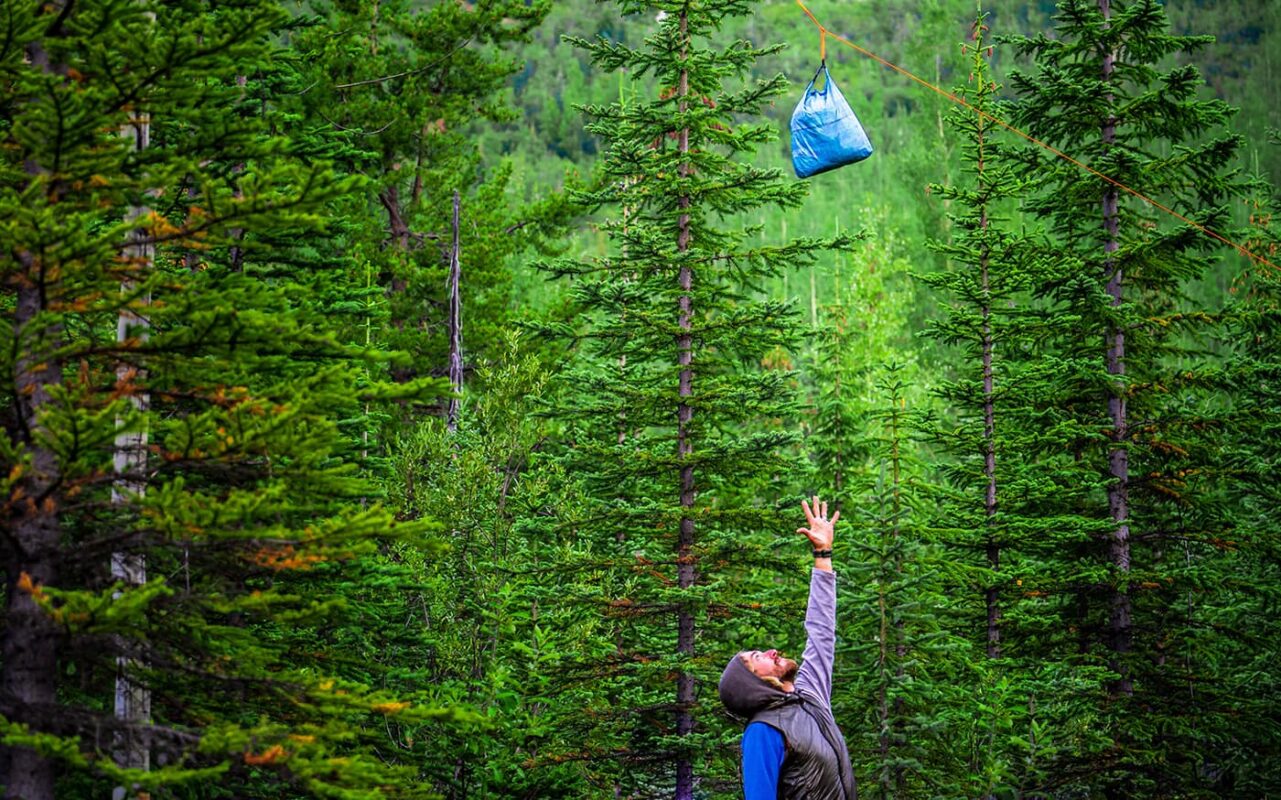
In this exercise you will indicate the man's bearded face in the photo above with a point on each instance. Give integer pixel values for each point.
(770, 664)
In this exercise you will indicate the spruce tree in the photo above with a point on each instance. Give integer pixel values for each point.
(979, 287)
(1245, 761)
(486, 607)
(992, 513)
(396, 91)
(672, 338)
(859, 333)
(235, 389)
(1128, 349)
(898, 656)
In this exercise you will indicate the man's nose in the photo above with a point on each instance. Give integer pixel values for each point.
(771, 653)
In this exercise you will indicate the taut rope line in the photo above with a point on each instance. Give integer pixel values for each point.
(824, 32)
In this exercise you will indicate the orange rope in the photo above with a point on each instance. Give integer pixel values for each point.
(824, 32)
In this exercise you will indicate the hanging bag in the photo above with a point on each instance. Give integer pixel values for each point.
(825, 132)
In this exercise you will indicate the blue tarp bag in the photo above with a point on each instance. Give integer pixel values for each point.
(825, 132)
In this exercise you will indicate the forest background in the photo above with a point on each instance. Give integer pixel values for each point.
(258, 545)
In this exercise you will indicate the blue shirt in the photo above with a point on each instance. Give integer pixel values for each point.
(763, 753)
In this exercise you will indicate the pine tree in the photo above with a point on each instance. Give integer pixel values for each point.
(860, 332)
(979, 286)
(1127, 347)
(674, 296)
(991, 515)
(397, 90)
(898, 658)
(246, 483)
(487, 606)
(1244, 761)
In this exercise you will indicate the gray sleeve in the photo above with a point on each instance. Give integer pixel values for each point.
(815, 675)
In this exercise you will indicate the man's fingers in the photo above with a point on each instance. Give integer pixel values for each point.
(805, 531)
(835, 517)
(809, 515)
(823, 506)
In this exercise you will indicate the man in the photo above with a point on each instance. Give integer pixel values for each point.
(792, 748)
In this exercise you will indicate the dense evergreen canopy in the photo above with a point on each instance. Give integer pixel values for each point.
(410, 398)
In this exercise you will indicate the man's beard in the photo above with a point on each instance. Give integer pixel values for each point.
(790, 668)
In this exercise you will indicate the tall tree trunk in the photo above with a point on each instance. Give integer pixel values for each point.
(130, 747)
(992, 595)
(684, 414)
(29, 644)
(398, 234)
(883, 690)
(30, 656)
(622, 358)
(1118, 457)
(455, 327)
(900, 634)
(237, 252)
(397, 229)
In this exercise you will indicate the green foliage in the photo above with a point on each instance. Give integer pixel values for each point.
(343, 598)
(897, 652)
(1133, 396)
(672, 423)
(391, 90)
(240, 500)
(487, 609)
(1246, 444)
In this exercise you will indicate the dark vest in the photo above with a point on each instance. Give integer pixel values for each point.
(813, 768)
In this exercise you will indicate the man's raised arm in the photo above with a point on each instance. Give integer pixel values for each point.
(815, 674)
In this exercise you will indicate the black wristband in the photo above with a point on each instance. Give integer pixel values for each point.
(822, 553)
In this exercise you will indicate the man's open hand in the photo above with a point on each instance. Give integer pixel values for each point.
(820, 527)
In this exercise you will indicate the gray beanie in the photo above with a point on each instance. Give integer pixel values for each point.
(744, 694)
